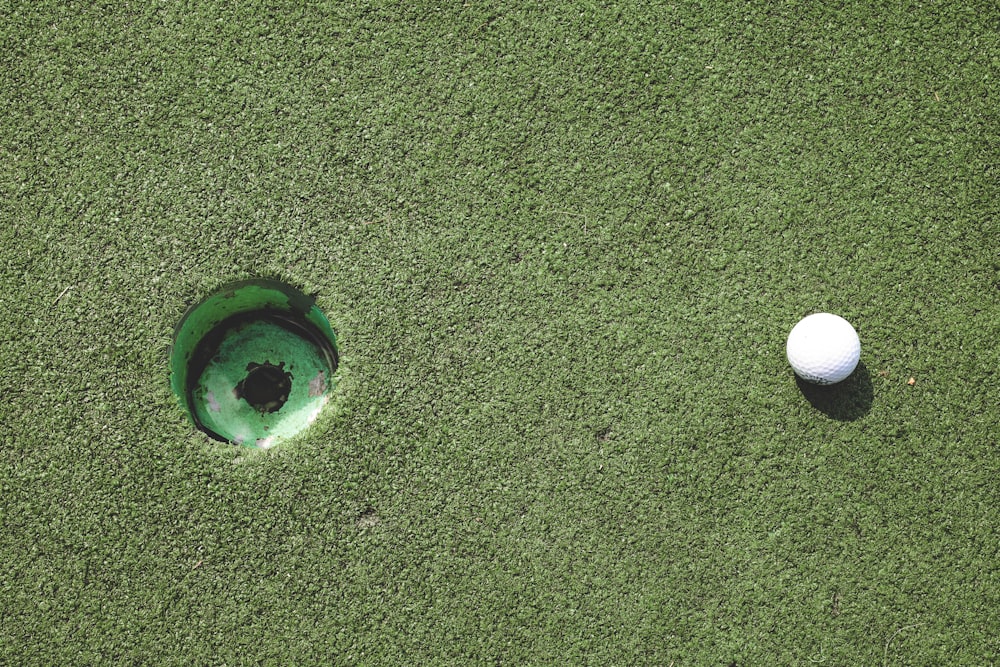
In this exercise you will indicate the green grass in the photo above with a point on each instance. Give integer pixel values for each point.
(562, 247)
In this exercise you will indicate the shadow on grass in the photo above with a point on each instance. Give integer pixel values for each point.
(847, 400)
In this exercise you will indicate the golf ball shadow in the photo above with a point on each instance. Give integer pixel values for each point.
(848, 400)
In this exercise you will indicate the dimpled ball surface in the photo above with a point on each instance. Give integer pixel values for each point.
(823, 348)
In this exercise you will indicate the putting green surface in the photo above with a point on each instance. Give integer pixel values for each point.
(561, 247)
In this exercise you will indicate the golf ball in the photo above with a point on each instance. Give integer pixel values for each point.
(823, 348)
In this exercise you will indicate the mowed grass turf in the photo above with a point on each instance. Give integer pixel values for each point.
(562, 245)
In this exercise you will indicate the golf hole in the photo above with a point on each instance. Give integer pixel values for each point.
(254, 363)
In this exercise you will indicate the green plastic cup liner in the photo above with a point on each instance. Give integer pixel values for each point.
(254, 363)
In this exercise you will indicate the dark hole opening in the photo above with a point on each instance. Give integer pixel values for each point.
(266, 387)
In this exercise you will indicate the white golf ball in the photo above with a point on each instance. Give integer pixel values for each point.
(823, 348)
